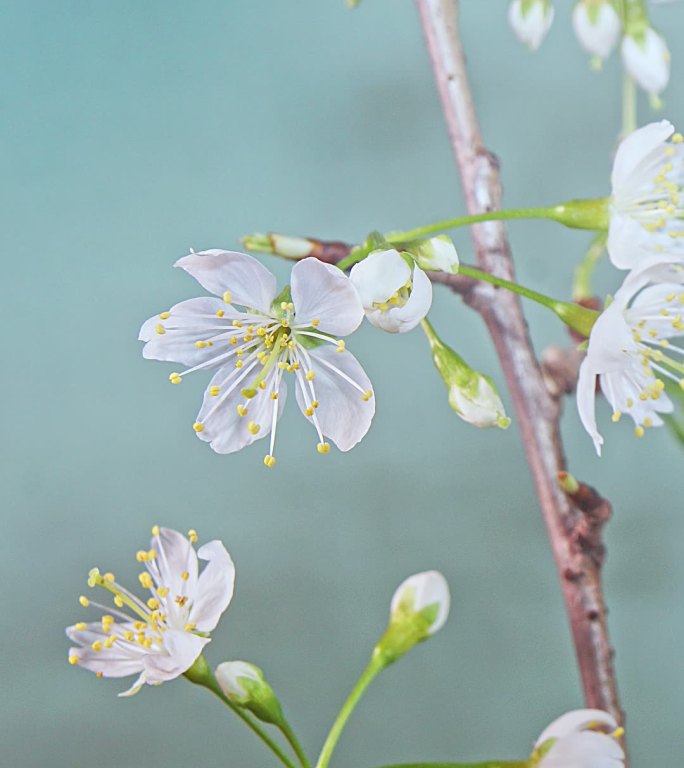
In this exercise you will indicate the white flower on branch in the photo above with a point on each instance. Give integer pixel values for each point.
(395, 292)
(530, 20)
(631, 353)
(646, 59)
(253, 350)
(647, 202)
(159, 638)
(597, 27)
(583, 738)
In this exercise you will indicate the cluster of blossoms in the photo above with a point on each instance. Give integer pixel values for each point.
(165, 636)
(253, 338)
(599, 25)
(630, 348)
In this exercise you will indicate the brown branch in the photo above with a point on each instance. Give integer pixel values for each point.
(537, 410)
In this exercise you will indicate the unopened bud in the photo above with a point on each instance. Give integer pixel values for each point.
(280, 245)
(244, 685)
(437, 254)
(419, 608)
(530, 20)
(597, 27)
(471, 394)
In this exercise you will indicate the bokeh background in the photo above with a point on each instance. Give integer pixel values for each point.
(133, 131)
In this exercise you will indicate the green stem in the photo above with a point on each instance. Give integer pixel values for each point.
(200, 673)
(629, 106)
(581, 286)
(461, 221)
(293, 741)
(374, 667)
(578, 318)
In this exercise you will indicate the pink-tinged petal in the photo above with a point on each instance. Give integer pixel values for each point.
(224, 429)
(584, 750)
(175, 559)
(380, 275)
(586, 403)
(181, 652)
(324, 293)
(637, 147)
(343, 415)
(249, 283)
(574, 722)
(189, 322)
(214, 587)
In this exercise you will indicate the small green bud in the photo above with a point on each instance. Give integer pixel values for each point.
(280, 245)
(580, 319)
(471, 394)
(591, 214)
(437, 254)
(244, 685)
(419, 608)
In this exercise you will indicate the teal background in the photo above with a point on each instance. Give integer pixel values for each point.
(132, 131)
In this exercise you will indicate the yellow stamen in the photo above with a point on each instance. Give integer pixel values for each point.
(227, 297)
(73, 660)
(145, 580)
(192, 535)
(165, 316)
(175, 378)
(323, 447)
(269, 460)
(83, 600)
(253, 427)
(198, 426)
(159, 328)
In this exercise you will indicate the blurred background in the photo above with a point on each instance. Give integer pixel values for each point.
(133, 131)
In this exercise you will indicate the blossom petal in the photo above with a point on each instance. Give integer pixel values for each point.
(214, 586)
(630, 244)
(182, 649)
(586, 403)
(137, 685)
(637, 147)
(584, 750)
(324, 293)
(248, 281)
(174, 568)
(403, 319)
(189, 322)
(223, 427)
(380, 275)
(121, 660)
(576, 721)
(343, 415)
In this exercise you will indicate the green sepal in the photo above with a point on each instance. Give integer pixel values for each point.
(592, 214)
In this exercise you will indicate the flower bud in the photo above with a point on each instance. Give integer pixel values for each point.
(395, 292)
(597, 27)
(437, 254)
(583, 738)
(471, 394)
(530, 20)
(646, 58)
(244, 685)
(287, 246)
(419, 608)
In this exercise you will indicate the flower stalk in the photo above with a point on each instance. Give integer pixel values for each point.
(201, 674)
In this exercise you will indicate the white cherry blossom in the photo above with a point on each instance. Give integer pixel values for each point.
(530, 20)
(646, 59)
(597, 27)
(647, 201)
(583, 738)
(253, 349)
(160, 638)
(395, 292)
(631, 353)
